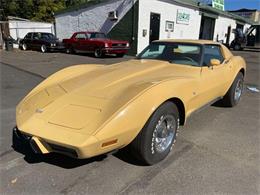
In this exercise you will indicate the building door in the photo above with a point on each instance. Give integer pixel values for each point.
(207, 28)
(228, 35)
(154, 27)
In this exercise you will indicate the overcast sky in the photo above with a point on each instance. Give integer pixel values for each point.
(238, 4)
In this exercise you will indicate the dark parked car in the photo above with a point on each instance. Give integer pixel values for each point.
(41, 41)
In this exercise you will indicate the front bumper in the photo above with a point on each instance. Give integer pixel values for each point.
(40, 146)
(56, 48)
(115, 50)
(89, 148)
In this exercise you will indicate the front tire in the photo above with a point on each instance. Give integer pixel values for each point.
(237, 47)
(98, 53)
(43, 49)
(70, 50)
(234, 93)
(155, 140)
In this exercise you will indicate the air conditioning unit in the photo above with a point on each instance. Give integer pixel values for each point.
(113, 15)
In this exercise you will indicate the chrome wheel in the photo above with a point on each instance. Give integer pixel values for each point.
(238, 90)
(24, 46)
(163, 134)
(43, 49)
(98, 53)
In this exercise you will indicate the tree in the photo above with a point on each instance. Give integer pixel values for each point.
(38, 10)
(46, 9)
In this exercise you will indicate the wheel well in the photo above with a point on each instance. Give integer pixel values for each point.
(242, 71)
(180, 107)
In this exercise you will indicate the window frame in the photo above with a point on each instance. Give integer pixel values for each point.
(95, 33)
(216, 45)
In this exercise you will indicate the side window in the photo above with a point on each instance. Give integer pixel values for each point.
(81, 36)
(36, 36)
(93, 35)
(28, 36)
(45, 36)
(212, 52)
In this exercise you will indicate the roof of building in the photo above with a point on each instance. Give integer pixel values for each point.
(226, 14)
(194, 3)
(16, 18)
(188, 2)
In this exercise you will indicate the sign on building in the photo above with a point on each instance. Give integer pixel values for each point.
(183, 17)
(218, 4)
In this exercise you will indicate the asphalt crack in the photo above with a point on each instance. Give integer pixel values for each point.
(6, 153)
(78, 180)
(22, 70)
(145, 180)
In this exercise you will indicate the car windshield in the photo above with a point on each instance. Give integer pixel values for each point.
(178, 53)
(98, 36)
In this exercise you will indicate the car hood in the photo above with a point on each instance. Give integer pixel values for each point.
(84, 102)
(109, 81)
(57, 41)
(111, 41)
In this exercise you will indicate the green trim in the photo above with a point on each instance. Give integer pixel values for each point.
(209, 15)
(241, 23)
(193, 3)
(127, 28)
(206, 9)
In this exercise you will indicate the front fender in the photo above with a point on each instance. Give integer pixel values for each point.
(127, 122)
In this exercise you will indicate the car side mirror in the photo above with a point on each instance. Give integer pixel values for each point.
(214, 62)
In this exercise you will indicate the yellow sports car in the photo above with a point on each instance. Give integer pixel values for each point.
(87, 110)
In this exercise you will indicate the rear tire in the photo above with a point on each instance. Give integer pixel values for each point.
(155, 140)
(24, 47)
(234, 93)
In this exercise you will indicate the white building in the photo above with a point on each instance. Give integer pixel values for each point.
(142, 21)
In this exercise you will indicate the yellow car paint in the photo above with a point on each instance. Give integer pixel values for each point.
(85, 107)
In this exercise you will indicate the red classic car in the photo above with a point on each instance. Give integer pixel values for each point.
(95, 42)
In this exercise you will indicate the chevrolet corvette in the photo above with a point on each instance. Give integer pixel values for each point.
(87, 110)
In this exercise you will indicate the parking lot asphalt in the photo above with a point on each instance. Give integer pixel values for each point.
(217, 151)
